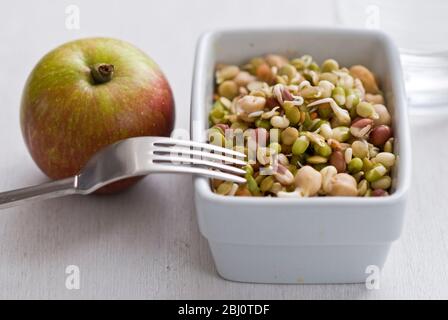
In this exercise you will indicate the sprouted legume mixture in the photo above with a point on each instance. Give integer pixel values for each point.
(307, 129)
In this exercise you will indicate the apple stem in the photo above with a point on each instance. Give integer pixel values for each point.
(102, 72)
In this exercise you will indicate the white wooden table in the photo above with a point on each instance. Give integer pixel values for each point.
(142, 243)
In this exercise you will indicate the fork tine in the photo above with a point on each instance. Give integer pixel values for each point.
(168, 168)
(206, 146)
(203, 154)
(195, 162)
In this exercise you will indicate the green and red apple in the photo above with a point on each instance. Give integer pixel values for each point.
(87, 94)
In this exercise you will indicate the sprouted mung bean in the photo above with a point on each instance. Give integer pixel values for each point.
(307, 130)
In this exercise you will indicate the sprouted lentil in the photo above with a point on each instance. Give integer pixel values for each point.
(317, 130)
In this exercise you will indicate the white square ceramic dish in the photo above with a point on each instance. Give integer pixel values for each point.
(308, 240)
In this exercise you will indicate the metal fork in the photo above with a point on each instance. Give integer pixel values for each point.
(137, 157)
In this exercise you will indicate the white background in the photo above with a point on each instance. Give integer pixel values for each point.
(145, 242)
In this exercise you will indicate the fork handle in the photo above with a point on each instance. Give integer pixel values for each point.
(53, 189)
